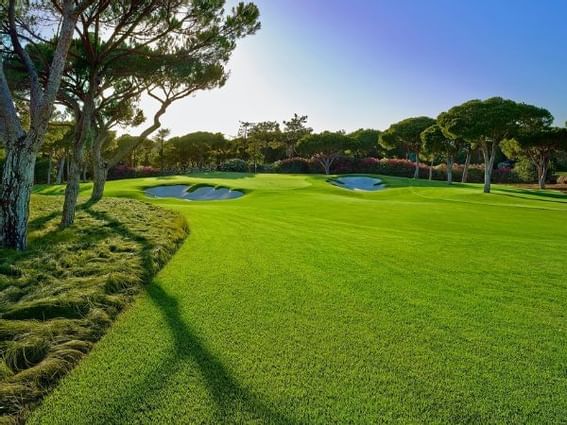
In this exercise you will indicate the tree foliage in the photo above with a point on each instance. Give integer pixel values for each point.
(293, 131)
(486, 123)
(406, 134)
(366, 143)
(538, 146)
(325, 147)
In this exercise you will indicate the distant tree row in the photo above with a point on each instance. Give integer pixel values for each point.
(256, 143)
(519, 130)
(484, 130)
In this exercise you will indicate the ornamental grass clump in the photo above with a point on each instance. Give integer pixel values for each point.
(58, 297)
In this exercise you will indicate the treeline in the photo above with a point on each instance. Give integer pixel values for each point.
(479, 141)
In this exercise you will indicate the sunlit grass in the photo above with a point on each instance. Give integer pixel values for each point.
(306, 303)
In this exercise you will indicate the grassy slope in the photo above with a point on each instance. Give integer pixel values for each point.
(303, 302)
(60, 295)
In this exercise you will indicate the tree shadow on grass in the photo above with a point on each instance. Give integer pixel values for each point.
(533, 195)
(38, 222)
(124, 231)
(230, 398)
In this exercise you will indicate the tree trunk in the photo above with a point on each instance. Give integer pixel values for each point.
(431, 171)
(68, 166)
(542, 181)
(49, 165)
(100, 174)
(84, 178)
(489, 157)
(60, 171)
(465, 177)
(100, 167)
(21, 152)
(73, 186)
(77, 160)
(15, 192)
(326, 163)
(416, 172)
(450, 169)
(542, 173)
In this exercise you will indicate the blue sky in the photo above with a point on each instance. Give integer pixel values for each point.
(368, 63)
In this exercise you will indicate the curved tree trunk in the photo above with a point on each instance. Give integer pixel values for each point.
(450, 169)
(77, 160)
(15, 192)
(101, 166)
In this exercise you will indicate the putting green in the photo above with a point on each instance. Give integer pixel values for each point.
(307, 303)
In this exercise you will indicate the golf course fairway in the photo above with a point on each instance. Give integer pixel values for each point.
(302, 302)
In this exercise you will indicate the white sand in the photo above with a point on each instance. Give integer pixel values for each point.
(202, 193)
(358, 183)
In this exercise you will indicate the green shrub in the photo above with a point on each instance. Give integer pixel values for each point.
(234, 165)
(525, 171)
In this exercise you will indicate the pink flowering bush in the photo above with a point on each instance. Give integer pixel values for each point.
(395, 167)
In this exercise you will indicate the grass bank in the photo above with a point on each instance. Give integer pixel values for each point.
(59, 297)
(307, 303)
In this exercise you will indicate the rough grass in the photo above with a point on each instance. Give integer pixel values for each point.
(59, 297)
(307, 303)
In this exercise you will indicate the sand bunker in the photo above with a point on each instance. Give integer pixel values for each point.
(200, 193)
(359, 183)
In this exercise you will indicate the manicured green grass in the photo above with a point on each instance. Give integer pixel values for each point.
(306, 303)
(58, 297)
